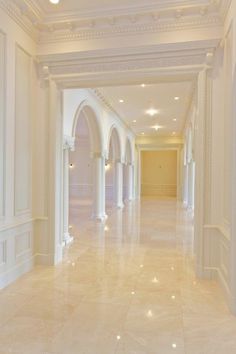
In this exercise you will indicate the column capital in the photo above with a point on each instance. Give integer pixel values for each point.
(68, 143)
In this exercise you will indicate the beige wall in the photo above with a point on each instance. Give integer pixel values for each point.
(159, 173)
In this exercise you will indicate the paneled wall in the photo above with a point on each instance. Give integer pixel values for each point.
(17, 253)
(22, 133)
(2, 124)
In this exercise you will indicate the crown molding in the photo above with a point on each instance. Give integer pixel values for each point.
(164, 16)
(105, 102)
(113, 29)
(21, 17)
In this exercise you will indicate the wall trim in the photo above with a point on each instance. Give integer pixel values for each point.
(14, 273)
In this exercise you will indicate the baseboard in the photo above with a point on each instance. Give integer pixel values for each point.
(15, 272)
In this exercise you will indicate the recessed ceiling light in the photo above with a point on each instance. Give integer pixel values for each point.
(54, 1)
(173, 133)
(142, 133)
(156, 127)
(151, 112)
(121, 101)
(174, 119)
(143, 85)
(177, 98)
(134, 121)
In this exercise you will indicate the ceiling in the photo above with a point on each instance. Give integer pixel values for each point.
(137, 99)
(94, 5)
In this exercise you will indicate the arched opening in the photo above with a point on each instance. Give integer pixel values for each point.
(87, 143)
(112, 168)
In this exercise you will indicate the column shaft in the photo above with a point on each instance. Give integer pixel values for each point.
(99, 187)
(67, 238)
(119, 184)
(129, 182)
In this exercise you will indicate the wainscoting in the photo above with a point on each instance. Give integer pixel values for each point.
(16, 251)
(217, 264)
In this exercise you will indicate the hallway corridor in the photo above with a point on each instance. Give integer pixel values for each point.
(124, 287)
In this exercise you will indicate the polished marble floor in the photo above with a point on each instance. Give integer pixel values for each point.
(125, 287)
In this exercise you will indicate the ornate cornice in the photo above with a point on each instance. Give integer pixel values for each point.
(168, 15)
(21, 17)
(71, 33)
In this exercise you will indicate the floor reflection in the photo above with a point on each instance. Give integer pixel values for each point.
(125, 286)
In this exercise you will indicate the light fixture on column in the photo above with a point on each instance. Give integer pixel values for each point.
(107, 166)
(71, 165)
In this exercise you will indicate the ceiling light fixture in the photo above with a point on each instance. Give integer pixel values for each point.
(143, 85)
(177, 98)
(142, 133)
(174, 119)
(134, 121)
(173, 133)
(121, 101)
(54, 1)
(151, 112)
(156, 127)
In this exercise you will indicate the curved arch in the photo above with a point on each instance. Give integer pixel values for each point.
(95, 131)
(115, 140)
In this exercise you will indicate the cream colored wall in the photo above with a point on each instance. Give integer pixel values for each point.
(159, 173)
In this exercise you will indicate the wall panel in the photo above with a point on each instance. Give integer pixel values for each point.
(22, 133)
(2, 124)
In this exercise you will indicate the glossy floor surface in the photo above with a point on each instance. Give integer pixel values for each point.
(126, 287)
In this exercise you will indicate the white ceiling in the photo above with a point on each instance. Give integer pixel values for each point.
(93, 5)
(160, 96)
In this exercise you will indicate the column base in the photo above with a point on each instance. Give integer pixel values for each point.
(67, 239)
(120, 206)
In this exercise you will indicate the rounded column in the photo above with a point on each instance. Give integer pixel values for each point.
(68, 145)
(99, 186)
(119, 184)
(130, 181)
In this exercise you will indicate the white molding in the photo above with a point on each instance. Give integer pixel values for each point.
(18, 270)
(70, 26)
(3, 138)
(19, 17)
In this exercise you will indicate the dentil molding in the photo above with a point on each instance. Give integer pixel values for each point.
(166, 15)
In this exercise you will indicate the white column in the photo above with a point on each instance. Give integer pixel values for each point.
(186, 185)
(130, 181)
(119, 184)
(67, 147)
(99, 187)
(203, 244)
